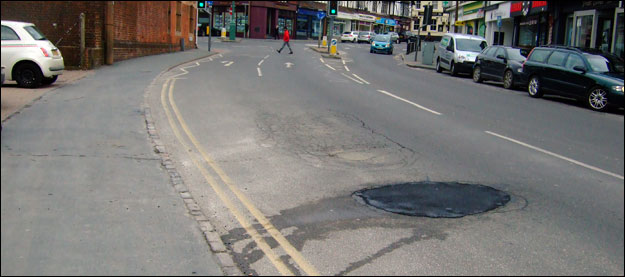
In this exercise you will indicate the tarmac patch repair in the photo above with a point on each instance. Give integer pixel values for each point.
(434, 199)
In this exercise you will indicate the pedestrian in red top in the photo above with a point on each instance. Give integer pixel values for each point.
(286, 41)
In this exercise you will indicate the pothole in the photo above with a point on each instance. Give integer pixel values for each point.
(434, 199)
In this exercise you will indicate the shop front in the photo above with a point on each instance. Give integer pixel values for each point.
(593, 24)
(365, 22)
(221, 17)
(384, 25)
(266, 15)
(499, 24)
(471, 19)
(308, 23)
(533, 25)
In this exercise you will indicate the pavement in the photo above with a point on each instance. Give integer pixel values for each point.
(83, 191)
(409, 60)
(14, 98)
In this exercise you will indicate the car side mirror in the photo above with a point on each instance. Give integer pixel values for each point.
(580, 68)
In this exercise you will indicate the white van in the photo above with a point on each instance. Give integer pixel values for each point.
(457, 52)
(29, 57)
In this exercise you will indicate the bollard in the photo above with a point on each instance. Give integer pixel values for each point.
(324, 42)
(223, 32)
(333, 47)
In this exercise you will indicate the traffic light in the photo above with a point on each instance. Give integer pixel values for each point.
(427, 17)
(201, 4)
(334, 8)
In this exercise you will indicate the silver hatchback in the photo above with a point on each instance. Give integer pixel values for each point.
(365, 37)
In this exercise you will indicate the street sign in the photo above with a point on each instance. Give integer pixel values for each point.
(499, 21)
(333, 41)
(209, 3)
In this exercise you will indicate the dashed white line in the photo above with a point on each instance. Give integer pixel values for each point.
(409, 102)
(260, 74)
(322, 60)
(343, 61)
(266, 57)
(346, 68)
(329, 66)
(228, 64)
(557, 156)
(261, 62)
(351, 78)
(361, 79)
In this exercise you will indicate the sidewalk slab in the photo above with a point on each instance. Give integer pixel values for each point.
(84, 193)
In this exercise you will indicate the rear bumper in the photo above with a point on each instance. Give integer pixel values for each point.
(52, 67)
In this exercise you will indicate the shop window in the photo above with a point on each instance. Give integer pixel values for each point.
(498, 38)
(618, 36)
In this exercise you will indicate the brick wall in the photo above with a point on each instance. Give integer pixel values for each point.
(140, 28)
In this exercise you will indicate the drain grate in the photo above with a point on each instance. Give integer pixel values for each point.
(434, 199)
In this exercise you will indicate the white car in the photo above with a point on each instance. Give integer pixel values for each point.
(457, 52)
(349, 36)
(29, 57)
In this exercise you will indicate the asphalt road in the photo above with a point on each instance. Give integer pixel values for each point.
(272, 146)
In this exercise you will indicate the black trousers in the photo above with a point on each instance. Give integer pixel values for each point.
(287, 44)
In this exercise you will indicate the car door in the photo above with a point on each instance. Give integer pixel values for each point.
(576, 82)
(485, 59)
(553, 78)
(442, 49)
(448, 54)
(499, 64)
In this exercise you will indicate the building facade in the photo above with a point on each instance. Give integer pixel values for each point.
(440, 19)
(136, 28)
(527, 24)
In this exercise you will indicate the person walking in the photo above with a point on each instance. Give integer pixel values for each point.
(277, 33)
(286, 39)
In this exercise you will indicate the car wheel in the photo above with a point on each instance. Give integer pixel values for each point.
(597, 99)
(508, 79)
(452, 69)
(370, 51)
(477, 74)
(390, 52)
(28, 75)
(50, 80)
(533, 88)
(438, 66)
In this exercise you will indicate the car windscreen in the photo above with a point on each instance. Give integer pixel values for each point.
(382, 38)
(516, 54)
(472, 45)
(600, 63)
(35, 33)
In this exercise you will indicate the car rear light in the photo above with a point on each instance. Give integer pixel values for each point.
(45, 53)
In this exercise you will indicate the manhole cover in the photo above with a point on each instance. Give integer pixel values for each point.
(434, 199)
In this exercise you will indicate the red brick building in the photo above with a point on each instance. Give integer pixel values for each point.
(135, 28)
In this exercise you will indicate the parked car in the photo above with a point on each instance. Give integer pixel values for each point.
(457, 52)
(394, 36)
(30, 58)
(349, 36)
(500, 63)
(591, 76)
(365, 36)
(407, 36)
(382, 43)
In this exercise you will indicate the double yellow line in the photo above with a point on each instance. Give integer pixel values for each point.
(221, 193)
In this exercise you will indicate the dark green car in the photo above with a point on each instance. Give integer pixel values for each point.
(594, 77)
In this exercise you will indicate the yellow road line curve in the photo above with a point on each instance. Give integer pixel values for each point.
(277, 262)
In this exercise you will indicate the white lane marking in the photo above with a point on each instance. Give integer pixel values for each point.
(346, 68)
(351, 78)
(343, 61)
(363, 80)
(266, 57)
(288, 64)
(224, 61)
(557, 156)
(261, 62)
(197, 63)
(409, 102)
(211, 59)
(260, 74)
(228, 64)
(329, 66)
(322, 60)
